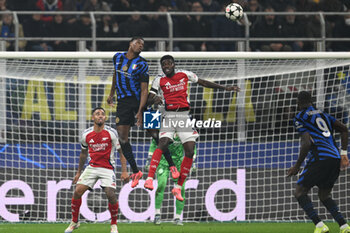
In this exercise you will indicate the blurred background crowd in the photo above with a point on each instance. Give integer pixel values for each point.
(215, 26)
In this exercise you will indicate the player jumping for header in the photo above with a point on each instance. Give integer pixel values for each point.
(172, 85)
(130, 83)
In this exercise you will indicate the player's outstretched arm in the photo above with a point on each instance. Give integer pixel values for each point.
(305, 144)
(82, 160)
(206, 83)
(344, 134)
(124, 176)
(111, 93)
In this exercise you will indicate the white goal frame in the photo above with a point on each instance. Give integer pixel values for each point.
(184, 55)
(241, 59)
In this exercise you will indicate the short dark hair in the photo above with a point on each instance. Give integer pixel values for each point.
(289, 7)
(166, 57)
(97, 108)
(304, 97)
(269, 7)
(136, 38)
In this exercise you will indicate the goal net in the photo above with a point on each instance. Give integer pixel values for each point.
(46, 101)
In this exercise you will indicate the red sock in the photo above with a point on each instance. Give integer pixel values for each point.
(75, 209)
(113, 209)
(185, 170)
(157, 155)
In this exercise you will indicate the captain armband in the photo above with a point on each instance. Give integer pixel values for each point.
(343, 152)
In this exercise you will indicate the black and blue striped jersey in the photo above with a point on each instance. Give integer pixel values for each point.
(320, 126)
(129, 75)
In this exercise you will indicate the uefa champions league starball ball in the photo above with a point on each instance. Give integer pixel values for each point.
(234, 12)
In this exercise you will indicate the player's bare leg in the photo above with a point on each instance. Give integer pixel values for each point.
(325, 197)
(113, 207)
(80, 189)
(185, 168)
(123, 132)
(157, 155)
(155, 135)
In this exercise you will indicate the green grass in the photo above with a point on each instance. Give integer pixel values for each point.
(167, 228)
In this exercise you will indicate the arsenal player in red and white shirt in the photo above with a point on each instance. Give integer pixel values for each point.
(172, 86)
(99, 144)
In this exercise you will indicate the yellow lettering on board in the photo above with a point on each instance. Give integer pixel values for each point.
(60, 102)
(39, 104)
(249, 109)
(109, 110)
(231, 115)
(208, 94)
(94, 80)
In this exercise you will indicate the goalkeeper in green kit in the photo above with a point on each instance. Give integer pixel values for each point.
(177, 153)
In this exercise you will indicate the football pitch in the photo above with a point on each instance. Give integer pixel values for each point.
(167, 228)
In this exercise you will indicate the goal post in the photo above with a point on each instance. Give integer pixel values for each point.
(46, 101)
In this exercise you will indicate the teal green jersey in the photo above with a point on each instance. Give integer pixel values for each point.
(176, 150)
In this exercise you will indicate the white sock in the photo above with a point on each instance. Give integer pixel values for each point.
(177, 216)
(149, 178)
(320, 224)
(157, 211)
(344, 226)
(178, 186)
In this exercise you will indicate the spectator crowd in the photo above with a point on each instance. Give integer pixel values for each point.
(194, 26)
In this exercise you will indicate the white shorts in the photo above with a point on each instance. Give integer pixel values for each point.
(178, 122)
(92, 174)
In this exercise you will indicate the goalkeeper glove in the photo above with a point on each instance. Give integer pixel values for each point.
(193, 168)
(147, 164)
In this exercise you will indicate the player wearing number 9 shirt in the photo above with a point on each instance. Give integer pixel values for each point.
(324, 162)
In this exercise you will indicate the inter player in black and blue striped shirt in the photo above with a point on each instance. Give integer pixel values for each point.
(130, 82)
(324, 163)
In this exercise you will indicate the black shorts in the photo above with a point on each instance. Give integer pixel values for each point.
(126, 111)
(322, 173)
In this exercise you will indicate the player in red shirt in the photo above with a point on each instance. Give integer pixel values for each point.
(172, 85)
(99, 143)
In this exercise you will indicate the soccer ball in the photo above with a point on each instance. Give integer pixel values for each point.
(234, 11)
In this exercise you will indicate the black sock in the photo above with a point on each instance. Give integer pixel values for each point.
(306, 204)
(332, 207)
(168, 158)
(127, 151)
